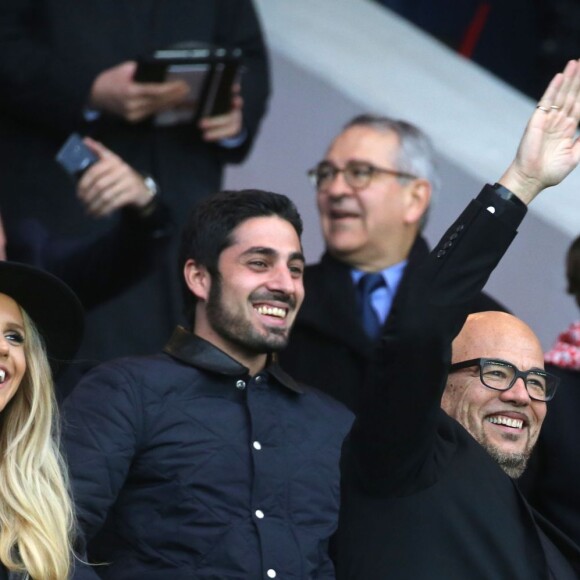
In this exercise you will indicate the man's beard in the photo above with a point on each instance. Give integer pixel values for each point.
(513, 464)
(237, 329)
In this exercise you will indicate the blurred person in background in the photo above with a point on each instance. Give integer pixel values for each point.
(373, 190)
(69, 66)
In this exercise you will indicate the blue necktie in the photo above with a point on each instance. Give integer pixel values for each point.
(366, 286)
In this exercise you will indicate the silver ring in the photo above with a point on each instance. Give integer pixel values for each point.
(545, 109)
(555, 107)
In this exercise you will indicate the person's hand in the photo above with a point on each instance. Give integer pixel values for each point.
(549, 150)
(110, 183)
(115, 91)
(224, 126)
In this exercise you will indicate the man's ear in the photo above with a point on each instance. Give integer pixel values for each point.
(418, 199)
(198, 279)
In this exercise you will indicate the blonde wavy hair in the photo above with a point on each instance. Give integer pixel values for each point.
(36, 513)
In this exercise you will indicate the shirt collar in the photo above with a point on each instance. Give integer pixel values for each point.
(197, 352)
(392, 275)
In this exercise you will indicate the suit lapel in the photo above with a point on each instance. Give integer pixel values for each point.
(330, 305)
(419, 251)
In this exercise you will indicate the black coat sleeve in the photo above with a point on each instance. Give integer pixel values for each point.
(97, 269)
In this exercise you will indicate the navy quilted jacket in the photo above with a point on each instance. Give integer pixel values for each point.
(185, 467)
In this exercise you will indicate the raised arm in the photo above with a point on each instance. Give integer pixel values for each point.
(394, 437)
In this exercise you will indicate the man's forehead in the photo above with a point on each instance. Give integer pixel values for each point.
(501, 336)
(271, 233)
(364, 143)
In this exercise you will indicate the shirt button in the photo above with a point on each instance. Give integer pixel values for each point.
(441, 253)
(259, 379)
(240, 385)
(257, 445)
(491, 209)
(271, 573)
(259, 514)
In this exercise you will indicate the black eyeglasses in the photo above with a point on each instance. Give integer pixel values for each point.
(357, 174)
(500, 375)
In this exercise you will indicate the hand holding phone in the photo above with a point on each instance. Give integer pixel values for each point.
(75, 157)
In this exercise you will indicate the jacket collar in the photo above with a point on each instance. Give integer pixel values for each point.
(330, 305)
(197, 352)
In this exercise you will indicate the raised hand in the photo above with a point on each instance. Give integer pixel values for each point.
(549, 149)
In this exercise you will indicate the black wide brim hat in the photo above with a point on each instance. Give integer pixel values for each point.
(50, 303)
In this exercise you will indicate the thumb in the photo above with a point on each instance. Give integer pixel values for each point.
(97, 147)
(128, 68)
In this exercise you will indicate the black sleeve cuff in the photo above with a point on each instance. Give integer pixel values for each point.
(503, 204)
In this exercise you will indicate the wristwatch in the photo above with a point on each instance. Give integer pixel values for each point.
(153, 190)
(506, 194)
(503, 192)
(151, 185)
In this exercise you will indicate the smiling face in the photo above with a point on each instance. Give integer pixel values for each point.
(12, 355)
(506, 423)
(249, 309)
(373, 227)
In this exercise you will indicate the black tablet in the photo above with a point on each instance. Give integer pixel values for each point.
(209, 71)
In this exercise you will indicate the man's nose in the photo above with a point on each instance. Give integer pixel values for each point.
(282, 280)
(518, 393)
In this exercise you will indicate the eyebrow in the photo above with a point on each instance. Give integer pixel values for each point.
(350, 160)
(270, 252)
(12, 325)
(507, 362)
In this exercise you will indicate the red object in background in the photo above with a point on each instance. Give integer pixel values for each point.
(474, 30)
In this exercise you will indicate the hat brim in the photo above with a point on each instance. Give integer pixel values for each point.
(51, 304)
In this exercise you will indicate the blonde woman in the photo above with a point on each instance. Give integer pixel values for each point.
(40, 320)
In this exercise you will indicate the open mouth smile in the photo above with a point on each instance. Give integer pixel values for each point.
(274, 311)
(506, 421)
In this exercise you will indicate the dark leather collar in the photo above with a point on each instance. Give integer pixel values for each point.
(197, 352)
